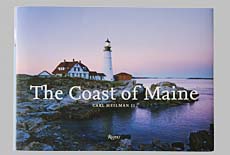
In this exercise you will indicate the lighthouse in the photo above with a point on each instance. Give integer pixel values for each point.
(108, 69)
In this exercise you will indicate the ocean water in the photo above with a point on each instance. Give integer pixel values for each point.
(168, 125)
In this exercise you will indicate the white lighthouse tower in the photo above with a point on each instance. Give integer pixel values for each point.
(108, 69)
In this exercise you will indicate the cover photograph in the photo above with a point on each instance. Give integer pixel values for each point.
(113, 79)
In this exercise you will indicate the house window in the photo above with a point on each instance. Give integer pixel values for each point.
(61, 68)
(74, 68)
(78, 69)
(80, 74)
(72, 74)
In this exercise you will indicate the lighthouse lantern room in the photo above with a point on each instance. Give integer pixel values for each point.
(108, 69)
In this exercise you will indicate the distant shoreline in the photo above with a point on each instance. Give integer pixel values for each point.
(191, 78)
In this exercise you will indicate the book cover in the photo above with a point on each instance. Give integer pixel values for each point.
(114, 79)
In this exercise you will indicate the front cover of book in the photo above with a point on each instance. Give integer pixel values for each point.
(114, 79)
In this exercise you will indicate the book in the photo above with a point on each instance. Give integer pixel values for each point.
(114, 79)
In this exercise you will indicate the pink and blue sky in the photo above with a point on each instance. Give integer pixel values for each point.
(145, 41)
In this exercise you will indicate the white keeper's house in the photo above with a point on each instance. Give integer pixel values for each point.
(76, 69)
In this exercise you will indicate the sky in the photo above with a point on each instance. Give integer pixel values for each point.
(145, 41)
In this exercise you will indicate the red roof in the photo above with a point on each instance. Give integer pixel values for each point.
(93, 73)
(67, 66)
(101, 74)
(123, 73)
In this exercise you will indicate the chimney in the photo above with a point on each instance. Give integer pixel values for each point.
(79, 61)
(73, 60)
(64, 60)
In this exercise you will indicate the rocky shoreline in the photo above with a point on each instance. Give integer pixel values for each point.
(38, 127)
